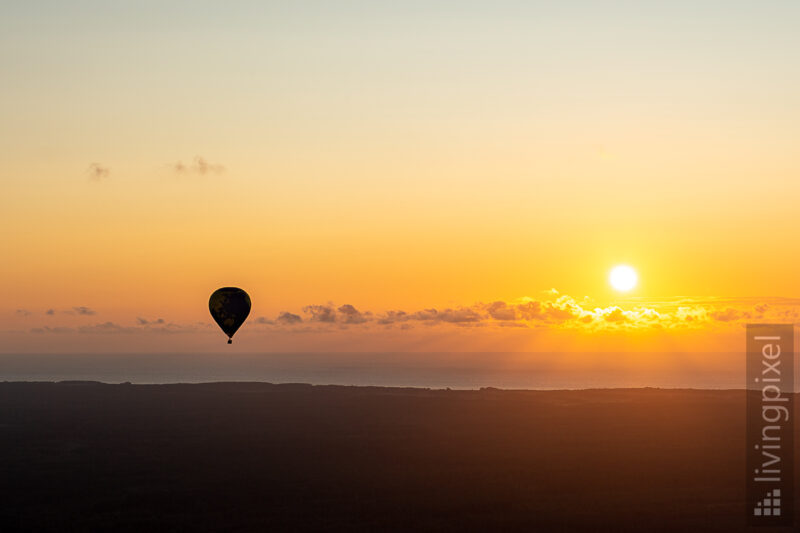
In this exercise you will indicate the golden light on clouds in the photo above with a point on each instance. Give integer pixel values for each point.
(549, 322)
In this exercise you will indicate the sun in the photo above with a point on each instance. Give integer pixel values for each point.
(623, 278)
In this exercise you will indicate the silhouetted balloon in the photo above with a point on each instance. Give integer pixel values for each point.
(229, 306)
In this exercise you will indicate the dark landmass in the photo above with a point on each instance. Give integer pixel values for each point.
(259, 457)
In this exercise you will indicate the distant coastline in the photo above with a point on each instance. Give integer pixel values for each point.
(525, 371)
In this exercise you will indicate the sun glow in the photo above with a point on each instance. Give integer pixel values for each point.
(623, 278)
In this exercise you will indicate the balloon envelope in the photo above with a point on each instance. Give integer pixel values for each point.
(229, 306)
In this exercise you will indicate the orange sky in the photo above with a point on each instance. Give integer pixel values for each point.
(397, 159)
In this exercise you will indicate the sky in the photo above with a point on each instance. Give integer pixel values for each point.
(397, 176)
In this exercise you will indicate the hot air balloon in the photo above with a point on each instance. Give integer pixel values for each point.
(229, 306)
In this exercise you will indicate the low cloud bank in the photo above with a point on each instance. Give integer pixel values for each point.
(552, 310)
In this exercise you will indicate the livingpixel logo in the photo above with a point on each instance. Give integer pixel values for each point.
(770, 424)
(770, 505)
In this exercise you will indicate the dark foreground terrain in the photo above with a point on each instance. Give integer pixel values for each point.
(260, 457)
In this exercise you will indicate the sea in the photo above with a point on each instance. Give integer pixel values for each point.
(436, 370)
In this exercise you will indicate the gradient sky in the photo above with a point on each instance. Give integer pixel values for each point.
(397, 157)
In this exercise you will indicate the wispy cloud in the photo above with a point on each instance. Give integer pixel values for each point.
(199, 166)
(97, 172)
(145, 322)
(112, 328)
(106, 327)
(53, 329)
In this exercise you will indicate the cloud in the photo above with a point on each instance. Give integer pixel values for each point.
(726, 315)
(50, 312)
(107, 327)
(530, 310)
(321, 313)
(98, 172)
(350, 315)
(460, 315)
(691, 314)
(199, 166)
(56, 329)
(615, 314)
(561, 309)
(553, 310)
(144, 322)
(556, 310)
(112, 328)
(23, 312)
(501, 311)
(457, 316)
(288, 318)
(390, 317)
